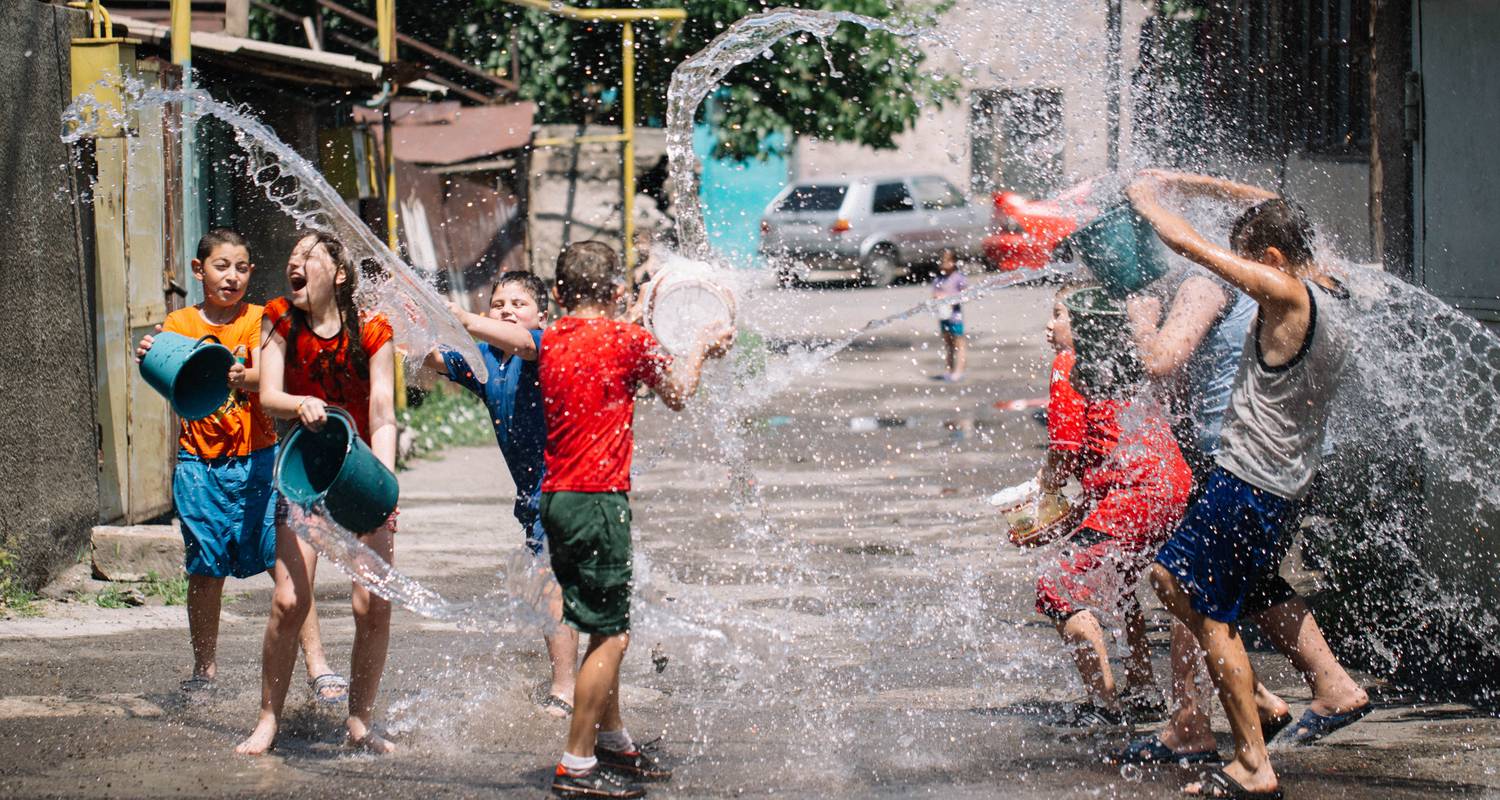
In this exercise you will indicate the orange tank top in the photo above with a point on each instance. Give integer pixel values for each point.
(239, 427)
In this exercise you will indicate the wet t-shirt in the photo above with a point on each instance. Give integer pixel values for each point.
(239, 427)
(950, 285)
(590, 369)
(1120, 444)
(323, 368)
(513, 395)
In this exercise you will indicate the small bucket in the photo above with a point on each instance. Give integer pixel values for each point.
(336, 466)
(681, 305)
(1122, 250)
(1108, 363)
(192, 374)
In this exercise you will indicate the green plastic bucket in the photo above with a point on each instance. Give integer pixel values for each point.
(1108, 363)
(192, 374)
(336, 466)
(1122, 250)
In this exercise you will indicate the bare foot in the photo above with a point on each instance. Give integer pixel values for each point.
(363, 737)
(261, 740)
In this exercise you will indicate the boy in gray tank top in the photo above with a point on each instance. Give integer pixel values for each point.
(1269, 449)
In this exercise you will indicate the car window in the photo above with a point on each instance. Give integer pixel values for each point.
(936, 193)
(890, 197)
(825, 197)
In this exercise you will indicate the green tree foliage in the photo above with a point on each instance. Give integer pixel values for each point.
(571, 70)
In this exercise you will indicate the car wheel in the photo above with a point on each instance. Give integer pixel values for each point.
(786, 278)
(880, 268)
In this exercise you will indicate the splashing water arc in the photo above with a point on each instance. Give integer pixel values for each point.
(417, 314)
(697, 77)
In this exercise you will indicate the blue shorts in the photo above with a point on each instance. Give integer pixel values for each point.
(228, 512)
(529, 514)
(1232, 536)
(952, 327)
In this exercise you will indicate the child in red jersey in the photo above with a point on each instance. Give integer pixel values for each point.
(318, 350)
(1135, 485)
(591, 365)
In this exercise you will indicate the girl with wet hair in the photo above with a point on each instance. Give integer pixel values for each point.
(319, 351)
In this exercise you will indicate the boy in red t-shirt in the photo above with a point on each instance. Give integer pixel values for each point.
(590, 367)
(1135, 485)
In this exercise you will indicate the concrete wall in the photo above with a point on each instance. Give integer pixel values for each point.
(48, 452)
(1005, 44)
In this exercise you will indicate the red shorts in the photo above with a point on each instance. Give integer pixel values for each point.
(1101, 562)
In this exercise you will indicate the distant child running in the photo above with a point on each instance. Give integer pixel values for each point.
(591, 366)
(319, 351)
(1135, 485)
(1269, 448)
(950, 282)
(222, 483)
(511, 339)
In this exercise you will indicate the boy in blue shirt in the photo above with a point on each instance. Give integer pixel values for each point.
(510, 337)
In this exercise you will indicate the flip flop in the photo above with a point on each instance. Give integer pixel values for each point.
(1269, 728)
(197, 684)
(329, 680)
(1314, 726)
(552, 701)
(1151, 750)
(1218, 784)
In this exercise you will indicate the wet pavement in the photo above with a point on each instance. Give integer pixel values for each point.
(872, 636)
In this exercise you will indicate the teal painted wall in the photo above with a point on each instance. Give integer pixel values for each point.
(733, 195)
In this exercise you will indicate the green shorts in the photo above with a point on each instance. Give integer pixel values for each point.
(589, 533)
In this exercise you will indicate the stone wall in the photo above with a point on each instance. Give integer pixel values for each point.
(49, 458)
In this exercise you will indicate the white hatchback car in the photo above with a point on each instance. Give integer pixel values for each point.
(874, 229)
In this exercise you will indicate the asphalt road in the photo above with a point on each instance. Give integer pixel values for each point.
(840, 615)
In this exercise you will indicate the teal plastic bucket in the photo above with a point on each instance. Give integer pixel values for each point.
(1122, 250)
(1108, 364)
(192, 374)
(336, 466)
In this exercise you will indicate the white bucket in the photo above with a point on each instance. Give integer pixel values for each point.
(682, 302)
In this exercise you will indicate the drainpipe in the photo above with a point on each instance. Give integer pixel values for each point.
(1112, 77)
(192, 216)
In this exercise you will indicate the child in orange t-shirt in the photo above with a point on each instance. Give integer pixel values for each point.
(221, 485)
(318, 351)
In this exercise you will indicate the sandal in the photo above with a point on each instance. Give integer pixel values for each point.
(552, 703)
(1218, 784)
(1151, 750)
(325, 682)
(197, 684)
(1269, 728)
(1314, 726)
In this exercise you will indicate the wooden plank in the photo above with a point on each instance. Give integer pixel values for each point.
(111, 348)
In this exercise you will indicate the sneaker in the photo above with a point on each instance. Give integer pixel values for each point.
(1143, 707)
(597, 782)
(1088, 715)
(635, 764)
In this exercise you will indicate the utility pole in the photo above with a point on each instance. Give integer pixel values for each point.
(192, 218)
(1112, 77)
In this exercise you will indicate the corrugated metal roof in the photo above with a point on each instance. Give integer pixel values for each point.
(338, 63)
(448, 133)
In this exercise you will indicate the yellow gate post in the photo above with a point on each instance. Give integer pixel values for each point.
(626, 137)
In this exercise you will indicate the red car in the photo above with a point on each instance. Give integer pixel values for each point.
(1025, 232)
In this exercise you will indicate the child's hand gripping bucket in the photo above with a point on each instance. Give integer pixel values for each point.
(1122, 250)
(192, 374)
(336, 466)
(680, 305)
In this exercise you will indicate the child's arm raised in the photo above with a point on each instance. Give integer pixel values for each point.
(383, 405)
(514, 339)
(1166, 345)
(1274, 289)
(674, 388)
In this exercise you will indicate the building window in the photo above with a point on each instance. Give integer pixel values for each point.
(1335, 38)
(1016, 140)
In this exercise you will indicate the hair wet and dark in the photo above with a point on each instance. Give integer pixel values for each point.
(528, 281)
(588, 273)
(1276, 223)
(219, 237)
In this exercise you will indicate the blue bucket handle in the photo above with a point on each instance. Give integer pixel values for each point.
(205, 337)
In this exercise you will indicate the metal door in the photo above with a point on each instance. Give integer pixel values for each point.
(1457, 169)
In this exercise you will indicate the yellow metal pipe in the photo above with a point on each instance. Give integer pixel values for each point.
(602, 14)
(627, 123)
(385, 31)
(182, 33)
